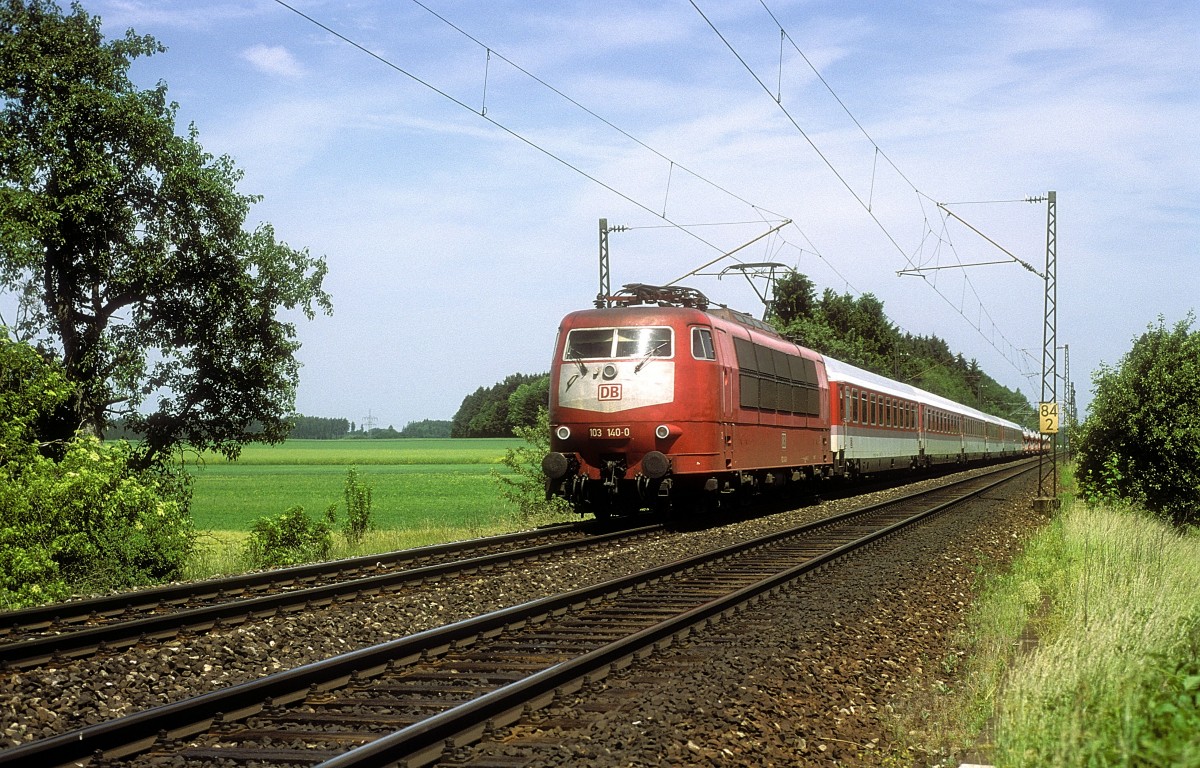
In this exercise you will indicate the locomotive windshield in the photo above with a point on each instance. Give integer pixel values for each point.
(609, 343)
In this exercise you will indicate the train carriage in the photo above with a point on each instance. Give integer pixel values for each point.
(876, 424)
(881, 424)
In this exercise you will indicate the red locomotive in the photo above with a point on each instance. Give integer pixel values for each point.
(661, 396)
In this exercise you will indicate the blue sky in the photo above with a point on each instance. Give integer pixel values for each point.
(459, 215)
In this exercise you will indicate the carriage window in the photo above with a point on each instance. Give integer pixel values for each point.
(702, 344)
(854, 405)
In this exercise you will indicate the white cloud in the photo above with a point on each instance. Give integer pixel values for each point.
(274, 60)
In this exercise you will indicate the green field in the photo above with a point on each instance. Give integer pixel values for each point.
(418, 483)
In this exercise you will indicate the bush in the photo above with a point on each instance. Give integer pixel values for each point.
(1141, 441)
(84, 520)
(89, 523)
(358, 508)
(526, 486)
(290, 539)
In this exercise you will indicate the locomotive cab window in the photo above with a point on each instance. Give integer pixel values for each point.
(610, 343)
(702, 344)
(643, 342)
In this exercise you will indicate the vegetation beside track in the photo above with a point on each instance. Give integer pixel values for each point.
(415, 482)
(424, 491)
(1086, 652)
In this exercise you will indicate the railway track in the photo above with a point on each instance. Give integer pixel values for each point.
(440, 689)
(80, 628)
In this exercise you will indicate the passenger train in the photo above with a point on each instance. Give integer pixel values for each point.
(661, 396)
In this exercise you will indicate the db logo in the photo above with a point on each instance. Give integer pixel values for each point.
(608, 392)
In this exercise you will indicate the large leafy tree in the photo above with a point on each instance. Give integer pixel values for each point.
(125, 245)
(1141, 439)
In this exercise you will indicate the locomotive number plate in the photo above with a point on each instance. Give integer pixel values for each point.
(609, 432)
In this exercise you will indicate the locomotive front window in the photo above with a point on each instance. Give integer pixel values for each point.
(609, 343)
(589, 343)
(643, 342)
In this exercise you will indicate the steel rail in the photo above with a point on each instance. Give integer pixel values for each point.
(81, 642)
(139, 731)
(425, 742)
(74, 611)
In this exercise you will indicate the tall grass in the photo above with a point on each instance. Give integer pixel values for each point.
(1087, 652)
(1115, 677)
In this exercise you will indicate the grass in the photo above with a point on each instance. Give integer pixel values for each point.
(424, 491)
(1087, 652)
(416, 483)
(1115, 678)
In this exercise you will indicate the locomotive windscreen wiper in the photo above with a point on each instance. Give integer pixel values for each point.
(650, 354)
(573, 354)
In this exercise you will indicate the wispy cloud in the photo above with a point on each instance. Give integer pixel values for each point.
(274, 60)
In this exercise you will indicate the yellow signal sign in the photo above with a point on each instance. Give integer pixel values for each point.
(1048, 418)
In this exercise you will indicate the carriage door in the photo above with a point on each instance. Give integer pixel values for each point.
(921, 425)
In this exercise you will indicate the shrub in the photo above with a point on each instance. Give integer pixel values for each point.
(358, 508)
(89, 523)
(74, 516)
(1141, 441)
(526, 486)
(290, 539)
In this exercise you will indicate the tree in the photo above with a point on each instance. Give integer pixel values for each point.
(426, 428)
(526, 400)
(318, 428)
(125, 246)
(485, 412)
(1141, 440)
(795, 298)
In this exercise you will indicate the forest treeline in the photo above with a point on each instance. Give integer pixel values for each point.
(321, 428)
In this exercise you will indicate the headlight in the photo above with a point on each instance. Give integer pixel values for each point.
(663, 431)
(563, 432)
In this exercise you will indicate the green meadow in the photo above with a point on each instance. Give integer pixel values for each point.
(416, 483)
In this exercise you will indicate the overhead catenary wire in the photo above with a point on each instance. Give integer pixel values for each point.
(865, 204)
(481, 113)
(766, 214)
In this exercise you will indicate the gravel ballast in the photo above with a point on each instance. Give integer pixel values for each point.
(840, 671)
(819, 679)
